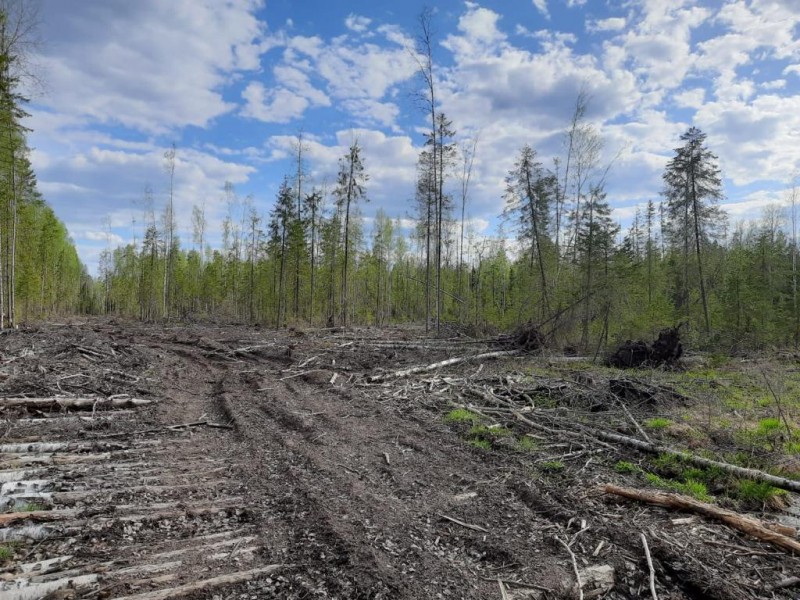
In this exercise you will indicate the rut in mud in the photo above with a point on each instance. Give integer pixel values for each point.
(266, 466)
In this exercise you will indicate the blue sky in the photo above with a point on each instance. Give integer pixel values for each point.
(232, 82)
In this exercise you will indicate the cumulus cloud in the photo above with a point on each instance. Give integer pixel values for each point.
(148, 65)
(541, 6)
(610, 24)
(357, 23)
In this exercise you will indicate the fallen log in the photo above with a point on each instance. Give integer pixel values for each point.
(206, 584)
(37, 516)
(444, 363)
(754, 474)
(749, 525)
(73, 403)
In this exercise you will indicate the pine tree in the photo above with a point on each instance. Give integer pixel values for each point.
(530, 191)
(692, 187)
(349, 190)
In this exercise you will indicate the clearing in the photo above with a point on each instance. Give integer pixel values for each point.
(151, 462)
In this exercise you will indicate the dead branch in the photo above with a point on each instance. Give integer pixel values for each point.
(444, 363)
(650, 567)
(578, 582)
(463, 524)
(743, 523)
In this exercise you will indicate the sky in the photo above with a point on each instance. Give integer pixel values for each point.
(232, 83)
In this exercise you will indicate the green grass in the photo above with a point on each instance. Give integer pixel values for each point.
(757, 494)
(481, 443)
(624, 466)
(527, 444)
(657, 423)
(6, 554)
(462, 415)
(690, 487)
(552, 466)
(31, 507)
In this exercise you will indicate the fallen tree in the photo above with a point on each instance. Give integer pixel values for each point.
(438, 365)
(774, 534)
(651, 448)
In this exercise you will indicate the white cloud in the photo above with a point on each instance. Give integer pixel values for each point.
(272, 106)
(792, 69)
(541, 6)
(150, 66)
(610, 24)
(693, 98)
(357, 23)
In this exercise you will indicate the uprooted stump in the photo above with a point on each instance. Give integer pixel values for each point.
(666, 350)
(525, 337)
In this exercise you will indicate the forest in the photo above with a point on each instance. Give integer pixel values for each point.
(320, 400)
(319, 256)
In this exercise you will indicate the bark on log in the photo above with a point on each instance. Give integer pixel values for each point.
(37, 516)
(73, 403)
(443, 363)
(206, 584)
(743, 523)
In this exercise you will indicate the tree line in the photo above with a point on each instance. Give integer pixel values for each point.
(40, 273)
(312, 259)
(572, 271)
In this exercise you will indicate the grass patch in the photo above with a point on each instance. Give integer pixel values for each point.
(481, 443)
(462, 415)
(31, 507)
(552, 466)
(690, 487)
(624, 466)
(527, 444)
(657, 423)
(758, 494)
(6, 554)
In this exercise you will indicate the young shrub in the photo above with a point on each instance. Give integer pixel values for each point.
(760, 495)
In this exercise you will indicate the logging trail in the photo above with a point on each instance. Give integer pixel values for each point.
(202, 461)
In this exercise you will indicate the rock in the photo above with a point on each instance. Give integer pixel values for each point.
(597, 580)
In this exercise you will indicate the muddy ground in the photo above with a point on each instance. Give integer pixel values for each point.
(296, 477)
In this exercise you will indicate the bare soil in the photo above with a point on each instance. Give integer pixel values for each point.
(349, 489)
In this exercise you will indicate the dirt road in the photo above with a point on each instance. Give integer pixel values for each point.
(295, 478)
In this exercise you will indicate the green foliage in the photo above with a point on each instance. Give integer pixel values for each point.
(462, 415)
(6, 553)
(691, 487)
(527, 444)
(481, 443)
(552, 466)
(759, 494)
(768, 427)
(626, 467)
(657, 423)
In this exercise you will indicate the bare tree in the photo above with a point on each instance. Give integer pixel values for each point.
(468, 152)
(169, 226)
(793, 199)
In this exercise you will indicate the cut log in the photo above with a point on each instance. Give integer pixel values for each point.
(73, 403)
(37, 516)
(34, 591)
(206, 584)
(753, 527)
(444, 363)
